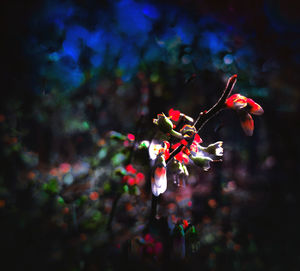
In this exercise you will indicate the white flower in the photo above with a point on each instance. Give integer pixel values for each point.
(201, 161)
(159, 178)
(219, 148)
(159, 181)
(214, 149)
(154, 149)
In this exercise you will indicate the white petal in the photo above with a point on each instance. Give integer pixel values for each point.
(159, 184)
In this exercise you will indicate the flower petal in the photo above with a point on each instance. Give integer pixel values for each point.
(236, 101)
(255, 108)
(174, 114)
(159, 181)
(247, 123)
(198, 139)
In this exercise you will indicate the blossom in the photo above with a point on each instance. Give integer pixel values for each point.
(185, 223)
(174, 114)
(201, 161)
(183, 155)
(165, 124)
(152, 246)
(131, 137)
(214, 149)
(156, 149)
(94, 195)
(132, 177)
(159, 178)
(244, 106)
(129, 168)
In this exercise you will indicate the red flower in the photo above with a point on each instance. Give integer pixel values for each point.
(94, 195)
(174, 114)
(139, 177)
(197, 139)
(244, 106)
(236, 101)
(185, 152)
(131, 181)
(131, 137)
(182, 157)
(129, 168)
(185, 223)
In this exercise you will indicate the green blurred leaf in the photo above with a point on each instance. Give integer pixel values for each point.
(52, 186)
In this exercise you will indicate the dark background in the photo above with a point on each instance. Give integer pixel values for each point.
(262, 41)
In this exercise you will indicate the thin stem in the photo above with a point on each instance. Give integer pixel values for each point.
(154, 202)
(205, 116)
(174, 153)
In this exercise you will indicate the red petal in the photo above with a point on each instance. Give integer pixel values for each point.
(186, 151)
(159, 171)
(179, 156)
(140, 177)
(236, 101)
(185, 223)
(175, 146)
(198, 139)
(174, 114)
(184, 142)
(166, 154)
(94, 195)
(131, 181)
(125, 179)
(255, 108)
(194, 147)
(131, 137)
(247, 123)
(129, 168)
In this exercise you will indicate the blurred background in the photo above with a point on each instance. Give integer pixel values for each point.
(83, 81)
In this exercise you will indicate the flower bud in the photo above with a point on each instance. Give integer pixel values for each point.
(202, 161)
(188, 130)
(215, 148)
(159, 178)
(163, 123)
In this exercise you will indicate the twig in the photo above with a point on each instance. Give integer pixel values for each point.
(154, 202)
(207, 115)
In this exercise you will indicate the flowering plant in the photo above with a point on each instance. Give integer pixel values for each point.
(183, 146)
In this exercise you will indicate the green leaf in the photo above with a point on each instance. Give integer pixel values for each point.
(52, 186)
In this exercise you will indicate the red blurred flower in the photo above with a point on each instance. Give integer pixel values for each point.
(185, 223)
(131, 137)
(65, 167)
(139, 177)
(94, 195)
(129, 168)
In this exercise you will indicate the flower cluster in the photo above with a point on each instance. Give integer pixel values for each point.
(132, 177)
(183, 142)
(151, 246)
(182, 146)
